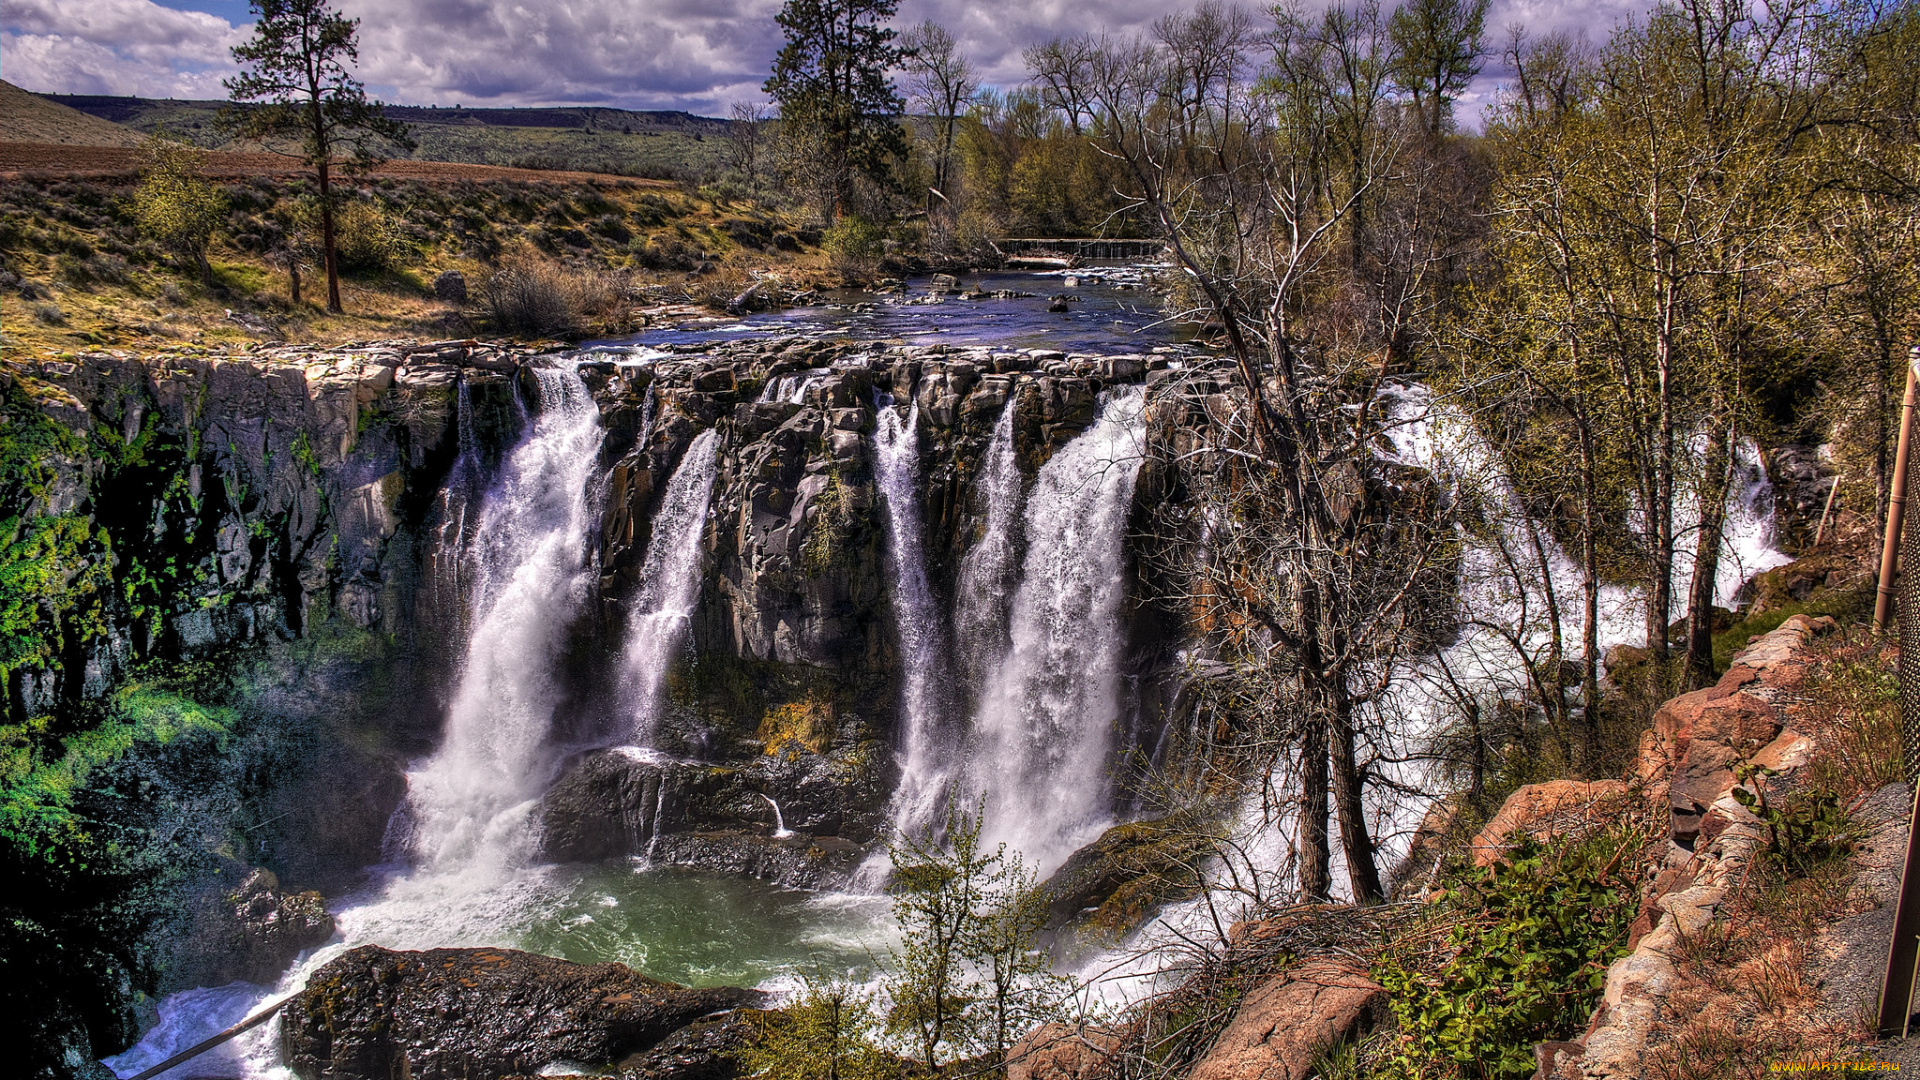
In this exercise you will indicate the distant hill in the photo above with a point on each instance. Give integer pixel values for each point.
(32, 118)
(668, 145)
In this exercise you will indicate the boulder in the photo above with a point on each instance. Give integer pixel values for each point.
(450, 287)
(796, 862)
(1704, 735)
(1060, 1052)
(251, 932)
(1113, 884)
(1542, 810)
(476, 1014)
(705, 1050)
(1285, 1023)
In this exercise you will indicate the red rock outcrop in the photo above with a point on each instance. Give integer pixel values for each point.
(1541, 810)
(1285, 1023)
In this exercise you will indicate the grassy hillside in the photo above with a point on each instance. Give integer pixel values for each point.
(666, 145)
(27, 117)
(76, 271)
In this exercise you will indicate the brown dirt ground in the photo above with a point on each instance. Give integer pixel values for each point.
(24, 159)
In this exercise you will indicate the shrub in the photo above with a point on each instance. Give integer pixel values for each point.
(175, 203)
(1527, 956)
(49, 314)
(365, 237)
(532, 297)
(829, 1030)
(854, 240)
(664, 253)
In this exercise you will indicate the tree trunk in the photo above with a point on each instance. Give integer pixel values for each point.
(1706, 561)
(1316, 871)
(1363, 876)
(1590, 600)
(326, 239)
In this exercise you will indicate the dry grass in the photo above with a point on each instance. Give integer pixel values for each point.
(1851, 707)
(68, 245)
(1746, 997)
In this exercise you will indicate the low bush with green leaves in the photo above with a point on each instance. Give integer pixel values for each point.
(1524, 960)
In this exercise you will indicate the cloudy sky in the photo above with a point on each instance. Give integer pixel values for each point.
(697, 55)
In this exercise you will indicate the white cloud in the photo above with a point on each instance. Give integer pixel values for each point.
(678, 54)
(114, 47)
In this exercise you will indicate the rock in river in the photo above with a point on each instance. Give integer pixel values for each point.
(474, 1014)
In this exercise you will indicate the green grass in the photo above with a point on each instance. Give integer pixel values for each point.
(1844, 605)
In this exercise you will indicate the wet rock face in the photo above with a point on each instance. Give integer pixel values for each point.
(476, 1014)
(610, 804)
(796, 544)
(252, 933)
(708, 1050)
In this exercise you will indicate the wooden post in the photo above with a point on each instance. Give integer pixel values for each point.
(1890, 542)
(1903, 951)
(1896, 989)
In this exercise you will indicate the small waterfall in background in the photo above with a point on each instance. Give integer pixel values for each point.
(469, 802)
(987, 570)
(1746, 536)
(669, 584)
(1046, 719)
(924, 753)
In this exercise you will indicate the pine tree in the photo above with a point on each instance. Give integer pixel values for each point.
(836, 98)
(294, 70)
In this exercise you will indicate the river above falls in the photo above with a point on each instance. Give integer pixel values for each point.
(1109, 310)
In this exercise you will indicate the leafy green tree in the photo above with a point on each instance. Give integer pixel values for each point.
(827, 1034)
(175, 203)
(295, 71)
(1438, 45)
(837, 102)
(967, 976)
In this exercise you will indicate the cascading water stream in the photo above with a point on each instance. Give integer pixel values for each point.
(925, 757)
(1481, 662)
(987, 569)
(469, 802)
(1044, 730)
(669, 585)
(466, 821)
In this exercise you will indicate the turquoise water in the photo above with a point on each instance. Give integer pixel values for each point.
(704, 929)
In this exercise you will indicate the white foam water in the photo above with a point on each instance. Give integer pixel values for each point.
(987, 569)
(669, 585)
(1044, 729)
(1501, 609)
(925, 756)
(469, 802)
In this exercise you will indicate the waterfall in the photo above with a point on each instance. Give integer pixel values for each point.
(1746, 536)
(669, 584)
(792, 389)
(923, 754)
(1046, 720)
(986, 571)
(469, 802)
(780, 830)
